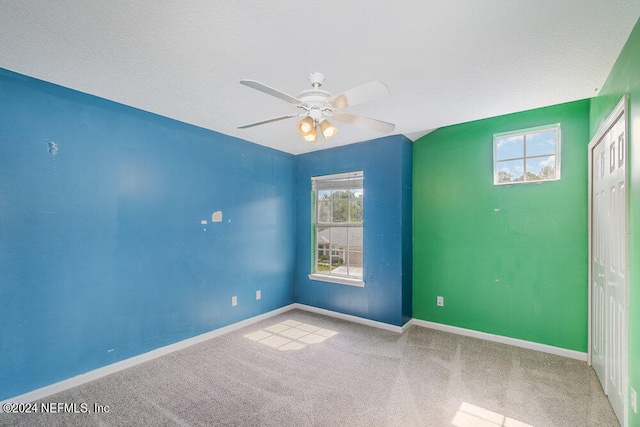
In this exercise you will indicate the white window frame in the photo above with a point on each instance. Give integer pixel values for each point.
(341, 181)
(526, 132)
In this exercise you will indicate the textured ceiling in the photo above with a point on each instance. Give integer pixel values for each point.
(445, 62)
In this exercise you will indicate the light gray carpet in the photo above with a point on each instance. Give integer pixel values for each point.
(303, 369)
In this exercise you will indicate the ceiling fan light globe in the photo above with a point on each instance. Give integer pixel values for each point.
(305, 126)
(328, 129)
(311, 136)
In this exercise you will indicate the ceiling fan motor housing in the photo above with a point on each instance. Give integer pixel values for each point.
(316, 100)
(316, 103)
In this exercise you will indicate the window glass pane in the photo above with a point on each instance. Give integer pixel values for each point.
(339, 238)
(324, 236)
(336, 258)
(510, 147)
(355, 238)
(323, 260)
(354, 263)
(541, 143)
(324, 206)
(340, 206)
(541, 168)
(355, 209)
(338, 261)
(510, 171)
(324, 211)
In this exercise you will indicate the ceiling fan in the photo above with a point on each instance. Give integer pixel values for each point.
(317, 105)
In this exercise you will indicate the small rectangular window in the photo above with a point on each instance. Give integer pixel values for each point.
(337, 228)
(527, 155)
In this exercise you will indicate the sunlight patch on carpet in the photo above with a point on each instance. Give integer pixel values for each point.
(290, 335)
(469, 415)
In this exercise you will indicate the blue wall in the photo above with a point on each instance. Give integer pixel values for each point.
(386, 163)
(102, 252)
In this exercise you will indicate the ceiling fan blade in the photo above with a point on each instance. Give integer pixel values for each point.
(359, 94)
(364, 122)
(275, 119)
(271, 91)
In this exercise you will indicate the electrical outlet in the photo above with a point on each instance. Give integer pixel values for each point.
(440, 301)
(234, 301)
(258, 294)
(634, 400)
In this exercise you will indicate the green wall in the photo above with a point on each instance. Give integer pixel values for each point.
(625, 79)
(509, 260)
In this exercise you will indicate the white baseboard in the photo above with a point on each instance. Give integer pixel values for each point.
(351, 318)
(49, 390)
(407, 325)
(558, 351)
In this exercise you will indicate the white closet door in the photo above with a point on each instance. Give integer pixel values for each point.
(609, 263)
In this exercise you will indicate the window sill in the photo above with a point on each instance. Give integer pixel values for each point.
(336, 279)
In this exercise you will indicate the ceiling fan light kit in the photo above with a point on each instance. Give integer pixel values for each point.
(317, 105)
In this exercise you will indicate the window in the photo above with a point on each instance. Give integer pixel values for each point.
(528, 155)
(338, 202)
